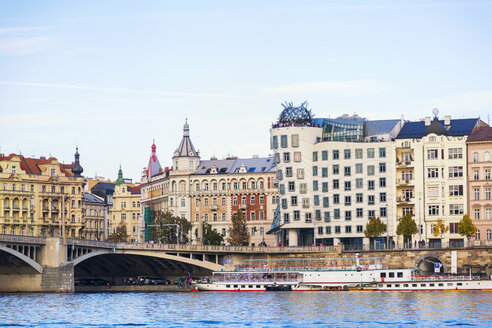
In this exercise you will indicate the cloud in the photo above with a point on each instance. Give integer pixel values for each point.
(124, 90)
(18, 41)
(22, 46)
(340, 88)
(20, 30)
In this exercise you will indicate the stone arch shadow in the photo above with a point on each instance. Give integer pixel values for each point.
(426, 262)
(35, 265)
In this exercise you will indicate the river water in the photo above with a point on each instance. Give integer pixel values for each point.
(251, 309)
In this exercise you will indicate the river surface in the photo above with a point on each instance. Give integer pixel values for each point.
(251, 309)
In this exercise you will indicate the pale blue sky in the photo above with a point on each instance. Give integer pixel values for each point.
(112, 75)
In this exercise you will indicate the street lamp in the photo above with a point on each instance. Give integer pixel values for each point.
(199, 238)
(387, 227)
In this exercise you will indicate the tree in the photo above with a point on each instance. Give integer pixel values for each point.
(210, 236)
(121, 234)
(467, 228)
(238, 233)
(439, 229)
(374, 228)
(167, 233)
(406, 228)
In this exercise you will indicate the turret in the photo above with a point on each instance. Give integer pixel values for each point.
(77, 168)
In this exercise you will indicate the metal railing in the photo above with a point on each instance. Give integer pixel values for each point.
(22, 239)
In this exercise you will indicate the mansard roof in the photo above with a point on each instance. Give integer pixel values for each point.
(90, 198)
(483, 133)
(378, 127)
(458, 127)
(32, 165)
(235, 165)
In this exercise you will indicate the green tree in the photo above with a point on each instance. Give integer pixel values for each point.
(374, 228)
(406, 228)
(467, 228)
(167, 233)
(121, 234)
(210, 236)
(440, 229)
(238, 233)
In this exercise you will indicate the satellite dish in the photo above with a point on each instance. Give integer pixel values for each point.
(435, 111)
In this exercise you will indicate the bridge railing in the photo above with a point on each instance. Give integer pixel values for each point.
(22, 239)
(228, 249)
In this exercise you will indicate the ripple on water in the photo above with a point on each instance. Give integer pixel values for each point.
(256, 309)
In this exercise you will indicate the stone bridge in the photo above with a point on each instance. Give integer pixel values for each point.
(35, 264)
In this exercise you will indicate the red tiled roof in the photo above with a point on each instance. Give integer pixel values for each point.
(31, 165)
(134, 190)
(481, 134)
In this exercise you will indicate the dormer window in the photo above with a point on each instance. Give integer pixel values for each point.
(52, 172)
(13, 169)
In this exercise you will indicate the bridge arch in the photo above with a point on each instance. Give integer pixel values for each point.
(426, 262)
(36, 266)
(156, 254)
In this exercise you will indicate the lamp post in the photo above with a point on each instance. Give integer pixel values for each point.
(199, 238)
(387, 227)
(420, 224)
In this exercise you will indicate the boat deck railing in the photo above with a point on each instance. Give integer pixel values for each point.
(307, 268)
(446, 278)
(255, 280)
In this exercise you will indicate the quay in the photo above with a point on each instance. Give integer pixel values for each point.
(34, 264)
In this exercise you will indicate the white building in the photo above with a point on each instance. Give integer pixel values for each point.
(333, 175)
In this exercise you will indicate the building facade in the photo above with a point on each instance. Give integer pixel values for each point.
(333, 175)
(212, 191)
(95, 222)
(431, 175)
(126, 208)
(479, 149)
(39, 196)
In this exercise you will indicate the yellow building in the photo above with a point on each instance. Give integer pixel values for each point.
(126, 208)
(38, 196)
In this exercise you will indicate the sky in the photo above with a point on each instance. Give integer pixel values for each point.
(112, 76)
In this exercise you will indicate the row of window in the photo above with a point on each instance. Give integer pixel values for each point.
(327, 230)
(359, 199)
(488, 236)
(135, 216)
(43, 188)
(337, 214)
(134, 204)
(250, 216)
(347, 154)
(347, 185)
(476, 194)
(477, 214)
(454, 209)
(230, 186)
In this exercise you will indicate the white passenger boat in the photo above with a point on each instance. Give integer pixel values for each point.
(303, 275)
(333, 275)
(438, 282)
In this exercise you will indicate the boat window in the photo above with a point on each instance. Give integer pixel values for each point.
(414, 285)
(228, 286)
(388, 285)
(380, 285)
(441, 284)
(391, 274)
(431, 285)
(243, 286)
(258, 286)
(405, 285)
(383, 274)
(423, 285)
(400, 274)
(450, 284)
(250, 286)
(459, 284)
(397, 285)
(235, 286)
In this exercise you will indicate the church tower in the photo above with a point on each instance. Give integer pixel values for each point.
(185, 159)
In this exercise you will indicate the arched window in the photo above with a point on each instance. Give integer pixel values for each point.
(475, 157)
(487, 156)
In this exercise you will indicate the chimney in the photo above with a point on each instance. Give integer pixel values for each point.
(427, 120)
(447, 120)
(402, 120)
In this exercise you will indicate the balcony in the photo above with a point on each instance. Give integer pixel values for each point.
(214, 208)
(401, 199)
(243, 206)
(404, 163)
(405, 181)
